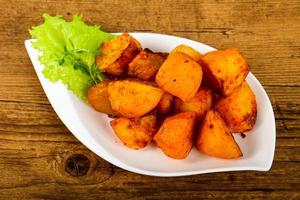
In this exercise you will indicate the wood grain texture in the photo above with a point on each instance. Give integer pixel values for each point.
(35, 145)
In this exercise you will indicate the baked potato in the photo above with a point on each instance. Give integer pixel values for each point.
(167, 97)
(98, 98)
(146, 64)
(215, 139)
(180, 76)
(135, 133)
(133, 98)
(188, 51)
(117, 53)
(165, 104)
(175, 136)
(239, 109)
(200, 103)
(225, 70)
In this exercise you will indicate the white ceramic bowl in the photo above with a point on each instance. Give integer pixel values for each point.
(93, 130)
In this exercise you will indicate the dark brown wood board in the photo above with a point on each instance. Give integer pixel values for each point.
(39, 157)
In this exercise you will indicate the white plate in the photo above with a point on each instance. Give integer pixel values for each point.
(93, 129)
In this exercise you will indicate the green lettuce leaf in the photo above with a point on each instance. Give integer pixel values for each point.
(68, 52)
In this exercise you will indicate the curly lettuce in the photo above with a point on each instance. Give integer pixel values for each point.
(68, 52)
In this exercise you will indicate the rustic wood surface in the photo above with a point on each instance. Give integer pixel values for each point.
(41, 159)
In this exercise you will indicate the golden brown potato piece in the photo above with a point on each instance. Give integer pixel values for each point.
(214, 138)
(165, 104)
(200, 103)
(180, 76)
(117, 53)
(239, 109)
(225, 70)
(132, 98)
(146, 64)
(98, 98)
(188, 51)
(135, 133)
(175, 136)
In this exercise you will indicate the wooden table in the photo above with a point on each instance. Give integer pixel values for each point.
(41, 159)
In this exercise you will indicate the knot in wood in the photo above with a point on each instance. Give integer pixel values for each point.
(77, 165)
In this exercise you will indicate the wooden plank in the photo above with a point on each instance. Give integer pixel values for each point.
(133, 194)
(262, 45)
(40, 159)
(22, 110)
(24, 162)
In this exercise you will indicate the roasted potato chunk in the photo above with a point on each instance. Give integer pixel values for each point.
(188, 51)
(215, 139)
(98, 98)
(225, 70)
(200, 103)
(239, 109)
(146, 64)
(135, 133)
(117, 53)
(165, 104)
(175, 136)
(132, 98)
(180, 76)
